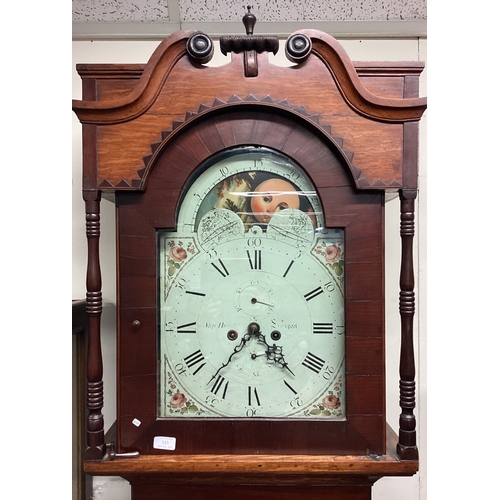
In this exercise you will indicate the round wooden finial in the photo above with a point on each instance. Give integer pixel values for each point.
(298, 47)
(249, 21)
(200, 47)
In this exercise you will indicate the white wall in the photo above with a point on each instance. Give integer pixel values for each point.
(413, 488)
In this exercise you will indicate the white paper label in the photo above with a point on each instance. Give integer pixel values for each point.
(164, 443)
(136, 422)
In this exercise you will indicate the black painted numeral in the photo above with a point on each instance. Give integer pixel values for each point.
(218, 384)
(288, 268)
(222, 269)
(313, 362)
(195, 358)
(313, 293)
(323, 328)
(290, 387)
(253, 396)
(187, 328)
(255, 260)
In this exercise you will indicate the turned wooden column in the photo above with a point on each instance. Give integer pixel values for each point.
(407, 444)
(95, 399)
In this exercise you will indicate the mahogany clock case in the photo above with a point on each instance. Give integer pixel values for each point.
(147, 131)
(171, 168)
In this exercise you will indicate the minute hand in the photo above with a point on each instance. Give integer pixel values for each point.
(237, 349)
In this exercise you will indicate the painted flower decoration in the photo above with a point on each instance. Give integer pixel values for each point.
(330, 405)
(178, 400)
(333, 256)
(177, 253)
(331, 401)
(332, 253)
(179, 404)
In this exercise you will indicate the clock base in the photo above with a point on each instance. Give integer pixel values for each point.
(164, 491)
(276, 477)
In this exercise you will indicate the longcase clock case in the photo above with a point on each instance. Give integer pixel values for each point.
(147, 132)
(360, 213)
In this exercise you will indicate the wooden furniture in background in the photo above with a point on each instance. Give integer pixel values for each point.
(81, 481)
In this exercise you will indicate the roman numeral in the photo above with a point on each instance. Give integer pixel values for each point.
(222, 269)
(313, 362)
(256, 260)
(288, 268)
(290, 387)
(195, 293)
(218, 384)
(193, 359)
(313, 293)
(253, 397)
(187, 328)
(323, 328)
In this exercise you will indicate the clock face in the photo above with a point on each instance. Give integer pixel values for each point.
(251, 296)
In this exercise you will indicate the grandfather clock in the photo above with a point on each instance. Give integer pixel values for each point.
(250, 267)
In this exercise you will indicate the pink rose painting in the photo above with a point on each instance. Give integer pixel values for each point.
(178, 400)
(329, 405)
(177, 254)
(332, 253)
(331, 402)
(179, 404)
(333, 256)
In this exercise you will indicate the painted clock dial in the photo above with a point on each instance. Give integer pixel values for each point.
(251, 295)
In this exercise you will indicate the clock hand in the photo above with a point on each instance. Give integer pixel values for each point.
(274, 353)
(255, 356)
(256, 301)
(237, 349)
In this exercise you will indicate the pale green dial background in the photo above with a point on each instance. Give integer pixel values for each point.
(223, 270)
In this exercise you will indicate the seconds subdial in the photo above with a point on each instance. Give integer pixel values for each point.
(254, 298)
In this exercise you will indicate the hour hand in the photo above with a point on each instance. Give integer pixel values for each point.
(275, 353)
(288, 368)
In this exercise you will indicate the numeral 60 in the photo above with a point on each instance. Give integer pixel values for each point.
(254, 242)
